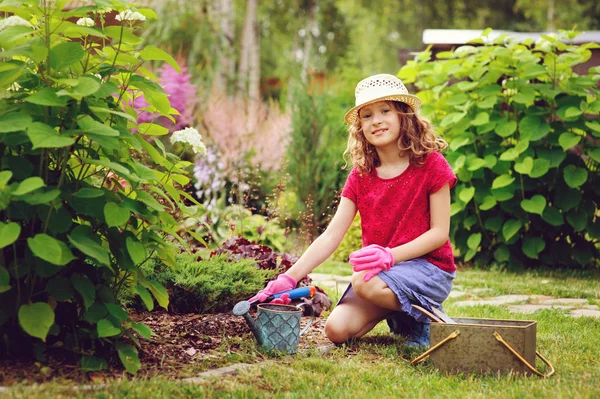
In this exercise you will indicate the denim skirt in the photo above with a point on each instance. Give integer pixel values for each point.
(418, 282)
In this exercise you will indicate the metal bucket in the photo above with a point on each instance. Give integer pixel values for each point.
(279, 327)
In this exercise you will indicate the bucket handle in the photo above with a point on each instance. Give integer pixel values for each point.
(312, 317)
(525, 362)
(426, 354)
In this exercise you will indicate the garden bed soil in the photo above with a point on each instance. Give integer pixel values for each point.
(181, 342)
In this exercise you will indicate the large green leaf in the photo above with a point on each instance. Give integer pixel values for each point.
(510, 228)
(89, 125)
(84, 239)
(568, 140)
(9, 233)
(502, 181)
(474, 240)
(129, 357)
(106, 328)
(525, 166)
(14, 122)
(574, 176)
(488, 203)
(577, 219)
(36, 319)
(532, 246)
(533, 128)
(50, 249)
(44, 136)
(466, 194)
(553, 216)
(540, 168)
(4, 281)
(145, 296)
(153, 53)
(136, 250)
(143, 330)
(506, 129)
(481, 119)
(86, 289)
(159, 292)
(92, 363)
(60, 288)
(65, 54)
(46, 96)
(28, 185)
(115, 215)
(536, 204)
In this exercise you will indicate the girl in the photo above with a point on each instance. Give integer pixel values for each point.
(400, 184)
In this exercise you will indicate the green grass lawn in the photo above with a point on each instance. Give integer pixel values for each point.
(379, 364)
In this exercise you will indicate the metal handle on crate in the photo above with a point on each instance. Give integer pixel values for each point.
(525, 362)
(426, 354)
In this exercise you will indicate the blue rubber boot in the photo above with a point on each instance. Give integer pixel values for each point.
(416, 332)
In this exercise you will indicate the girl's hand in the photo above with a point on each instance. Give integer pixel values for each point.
(282, 283)
(373, 258)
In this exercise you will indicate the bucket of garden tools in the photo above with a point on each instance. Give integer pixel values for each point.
(482, 346)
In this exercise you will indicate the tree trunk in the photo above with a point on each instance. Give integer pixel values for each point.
(224, 13)
(308, 44)
(248, 46)
(550, 17)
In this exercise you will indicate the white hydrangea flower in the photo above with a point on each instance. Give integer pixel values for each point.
(14, 20)
(129, 15)
(190, 136)
(85, 22)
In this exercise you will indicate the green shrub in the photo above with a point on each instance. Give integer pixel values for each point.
(523, 133)
(78, 207)
(203, 285)
(352, 241)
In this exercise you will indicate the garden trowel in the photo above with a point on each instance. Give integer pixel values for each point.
(435, 315)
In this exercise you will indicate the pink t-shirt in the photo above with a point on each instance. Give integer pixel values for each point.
(396, 211)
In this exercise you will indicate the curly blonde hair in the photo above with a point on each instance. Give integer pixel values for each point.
(417, 139)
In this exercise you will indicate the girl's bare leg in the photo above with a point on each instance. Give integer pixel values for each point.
(361, 310)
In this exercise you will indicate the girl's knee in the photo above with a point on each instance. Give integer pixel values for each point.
(360, 286)
(336, 332)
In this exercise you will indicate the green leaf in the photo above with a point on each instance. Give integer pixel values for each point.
(86, 289)
(510, 228)
(129, 357)
(65, 54)
(143, 330)
(89, 193)
(466, 86)
(575, 177)
(506, 129)
(466, 194)
(4, 281)
(14, 122)
(144, 295)
(84, 239)
(106, 328)
(536, 204)
(50, 249)
(502, 181)
(488, 203)
(117, 311)
(115, 215)
(153, 53)
(36, 319)
(533, 128)
(525, 96)
(47, 97)
(532, 246)
(481, 119)
(92, 363)
(60, 288)
(595, 154)
(126, 35)
(509, 155)
(474, 240)
(136, 250)
(524, 167)
(540, 168)
(553, 216)
(487, 102)
(159, 292)
(595, 127)
(150, 201)
(577, 219)
(476, 164)
(44, 136)
(28, 185)
(5, 177)
(89, 125)
(568, 140)
(152, 129)
(43, 197)
(502, 254)
(9, 233)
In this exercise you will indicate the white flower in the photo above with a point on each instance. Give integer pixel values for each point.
(190, 136)
(104, 10)
(85, 22)
(14, 87)
(129, 15)
(14, 20)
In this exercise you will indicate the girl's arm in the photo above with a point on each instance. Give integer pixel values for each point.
(326, 243)
(436, 236)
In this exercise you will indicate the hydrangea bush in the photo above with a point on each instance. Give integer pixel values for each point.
(78, 190)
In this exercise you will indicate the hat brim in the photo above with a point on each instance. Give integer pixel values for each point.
(412, 101)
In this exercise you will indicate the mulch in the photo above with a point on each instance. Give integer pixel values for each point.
(182, 343)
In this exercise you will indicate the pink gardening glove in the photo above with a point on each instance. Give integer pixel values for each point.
(282, 283)
(373, 258)
(284, 299)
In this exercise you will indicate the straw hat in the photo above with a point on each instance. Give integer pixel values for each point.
(383, 87)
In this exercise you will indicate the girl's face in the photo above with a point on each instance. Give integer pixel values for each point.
(380, 125)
